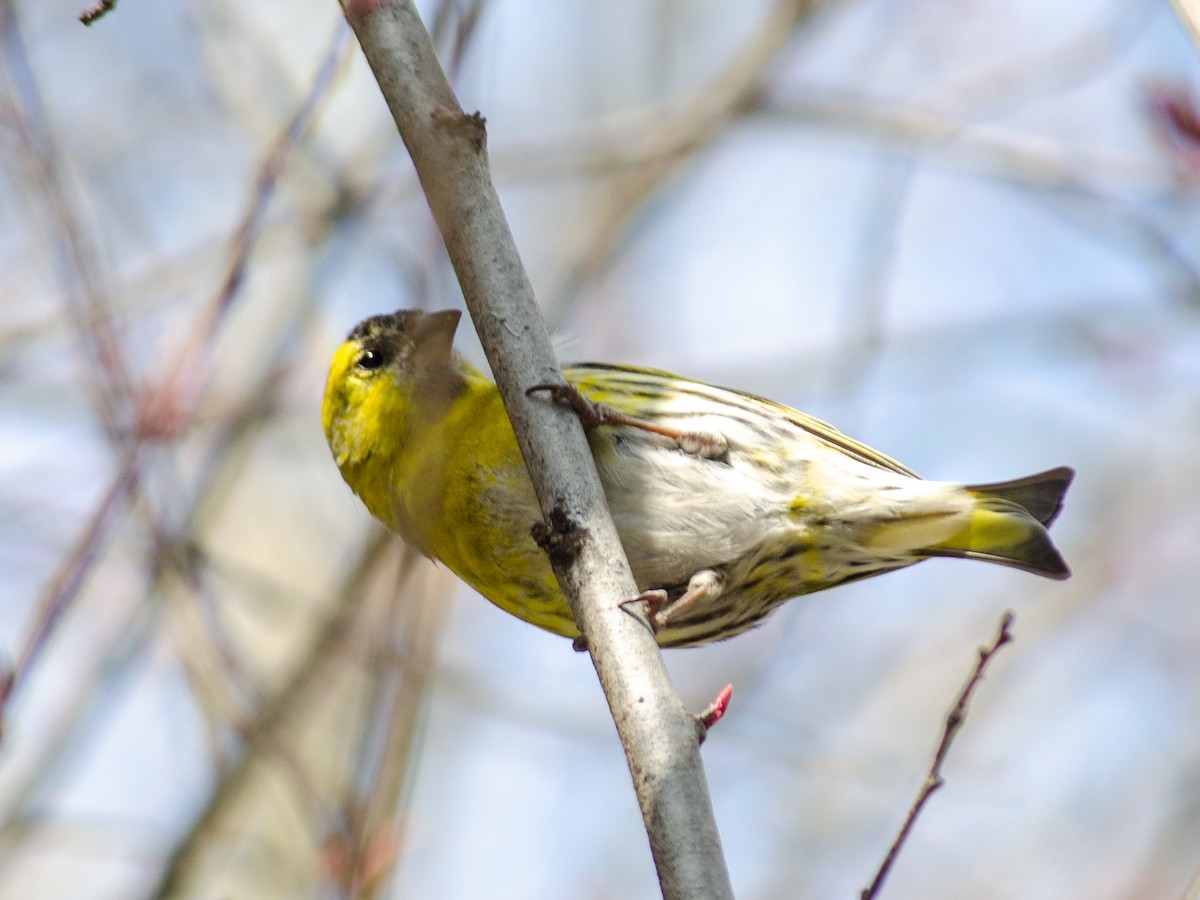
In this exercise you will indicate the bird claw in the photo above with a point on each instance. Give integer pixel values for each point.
(591, 414)
(652, 604)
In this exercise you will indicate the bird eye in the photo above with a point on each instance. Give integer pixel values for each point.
(369, 360)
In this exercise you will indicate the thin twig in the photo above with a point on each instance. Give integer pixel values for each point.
(934, 780)
(402, 669)
(676, 138)
(876, 261)
(1192, 891)
(167, 406)
(97, 11)
(67, 582)
(266, 735)
(271, 167)
(77, 262)
(1189, 13)
(110, 667)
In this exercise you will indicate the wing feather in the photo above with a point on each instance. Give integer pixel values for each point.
(627, 388)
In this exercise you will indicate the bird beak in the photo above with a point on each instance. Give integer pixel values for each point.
(433, 335)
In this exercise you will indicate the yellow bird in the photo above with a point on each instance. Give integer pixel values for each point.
(727, 504)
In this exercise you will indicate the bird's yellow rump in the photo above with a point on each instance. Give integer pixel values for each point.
(727, 503)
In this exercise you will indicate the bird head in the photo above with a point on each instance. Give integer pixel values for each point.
(390, 371)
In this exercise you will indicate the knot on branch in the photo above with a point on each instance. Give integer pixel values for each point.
(561, 539)
(470, 127)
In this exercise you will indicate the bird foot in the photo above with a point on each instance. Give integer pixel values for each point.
(705, 444)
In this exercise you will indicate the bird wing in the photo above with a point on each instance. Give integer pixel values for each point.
(627, 387)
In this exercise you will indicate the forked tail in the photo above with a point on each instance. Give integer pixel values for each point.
(1009, 524)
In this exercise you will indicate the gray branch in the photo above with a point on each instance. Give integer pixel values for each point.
(448, 149)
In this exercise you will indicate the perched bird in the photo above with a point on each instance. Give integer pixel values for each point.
(727, 504)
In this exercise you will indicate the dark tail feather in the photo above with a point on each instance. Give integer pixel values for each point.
(1040, 495)
(1009, 523)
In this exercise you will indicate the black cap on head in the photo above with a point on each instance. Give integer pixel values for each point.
(431, 334)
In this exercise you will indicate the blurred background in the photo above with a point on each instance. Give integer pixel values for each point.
(964, 233)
